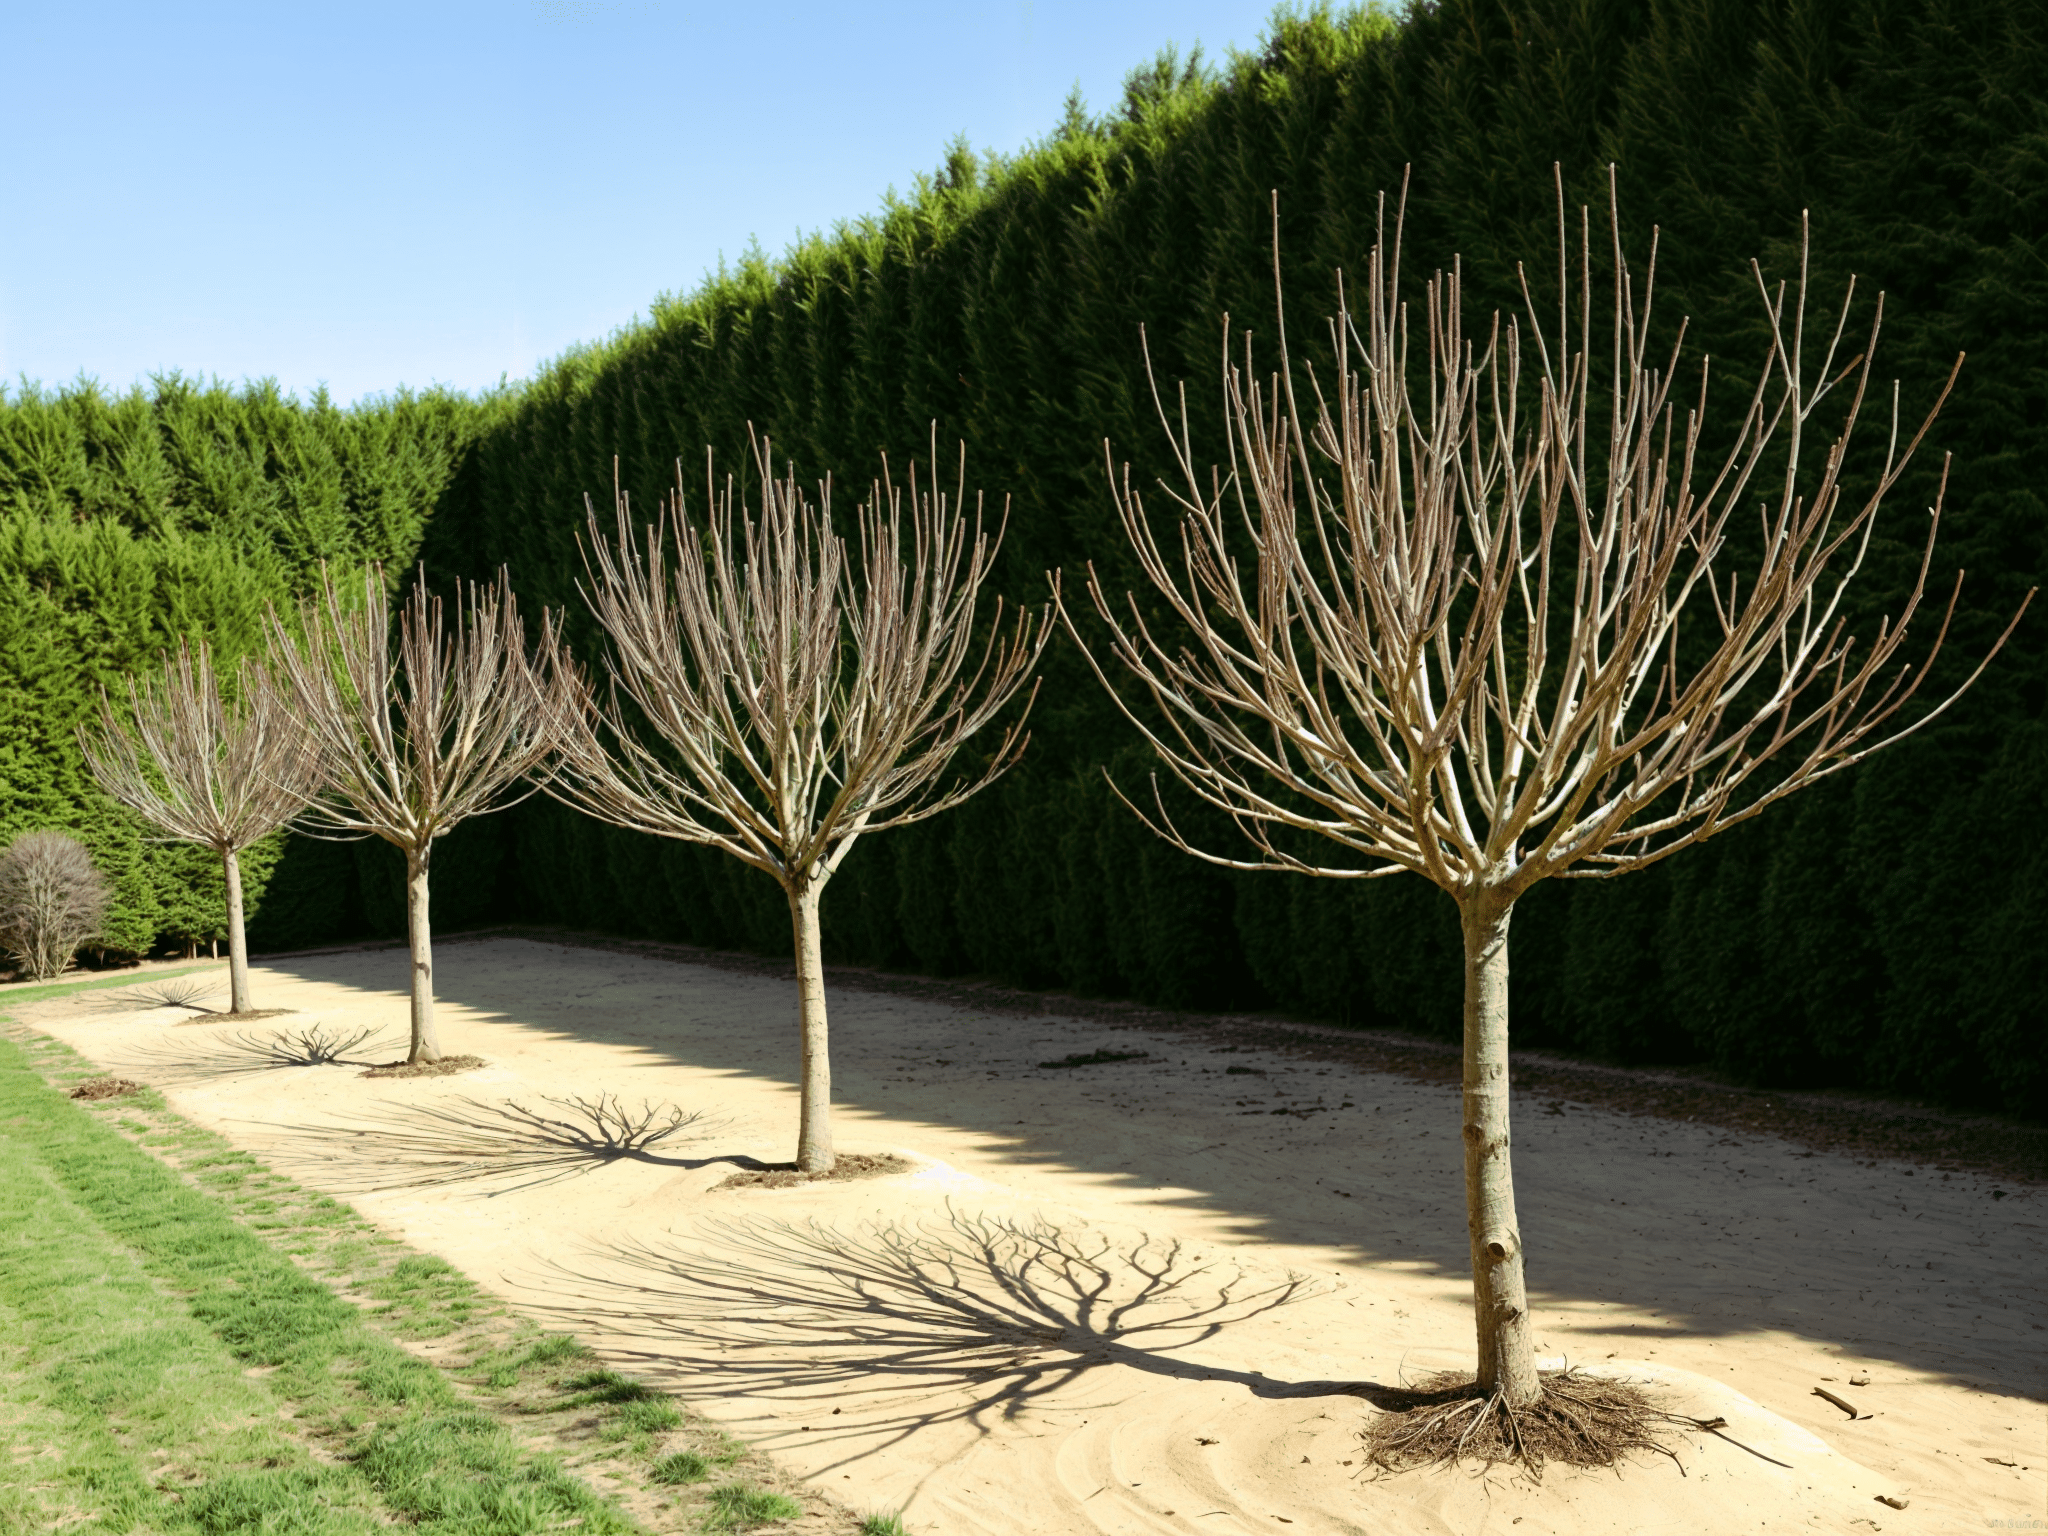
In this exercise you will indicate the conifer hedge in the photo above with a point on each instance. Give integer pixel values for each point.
(1884, 930)
(182, 509)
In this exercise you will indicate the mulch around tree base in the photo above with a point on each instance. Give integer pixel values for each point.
(849, 1165)
(1855, 1124)
(445, 1067)
(210, 1016)
(105, 1088)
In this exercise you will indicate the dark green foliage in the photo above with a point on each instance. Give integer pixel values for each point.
(1885, 930)
(1847, 938)
(182, 510)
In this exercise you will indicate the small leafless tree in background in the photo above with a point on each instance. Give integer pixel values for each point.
(52, 900)
(1455, 647)
(414, 739)
(202, 768)
(794, 702)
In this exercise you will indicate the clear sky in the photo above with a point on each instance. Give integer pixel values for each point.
(371, 194)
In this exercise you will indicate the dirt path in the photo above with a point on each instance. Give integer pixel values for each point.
(1149, 1295)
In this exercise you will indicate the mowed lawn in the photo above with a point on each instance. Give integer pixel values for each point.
(179, 1352)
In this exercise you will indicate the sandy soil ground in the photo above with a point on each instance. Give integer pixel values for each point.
(1150, 1295)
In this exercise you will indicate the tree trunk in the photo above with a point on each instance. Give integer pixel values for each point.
(814, 1129)
(1500, 1303)
(238, 949)
(419, 933)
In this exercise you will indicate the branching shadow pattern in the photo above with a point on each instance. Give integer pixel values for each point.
(424, 1146)
(965, 1319)
(248, 1051)
(174, 992)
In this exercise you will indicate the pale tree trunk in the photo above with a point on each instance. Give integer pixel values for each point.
(419, 933)
(1500, 1303)
(814, 1129)
(238, 949)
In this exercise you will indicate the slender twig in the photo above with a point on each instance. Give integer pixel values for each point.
(417, 727)
(775, 699)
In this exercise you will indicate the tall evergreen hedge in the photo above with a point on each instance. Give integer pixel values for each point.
(181, 510)
(1884, 930)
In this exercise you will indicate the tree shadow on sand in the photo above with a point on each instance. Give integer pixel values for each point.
(468, 1141)
(969, 1318)
(203, 1058)
(189, 992)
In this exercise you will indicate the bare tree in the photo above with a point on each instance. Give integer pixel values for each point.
(793, 703)
(52, 900)
(1453, 646)
(414, 740)
(204, 768)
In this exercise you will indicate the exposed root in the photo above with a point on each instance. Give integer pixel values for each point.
(848, 1165)
(1580, 1419)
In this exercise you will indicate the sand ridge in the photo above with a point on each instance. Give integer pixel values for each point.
(1146, 1295)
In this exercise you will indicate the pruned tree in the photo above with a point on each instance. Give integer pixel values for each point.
(52, 899)
(1440, 628)
(770, 700)
(417, 731)
(206, 767)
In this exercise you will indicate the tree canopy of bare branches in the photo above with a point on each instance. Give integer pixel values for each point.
(774, 701)
(1438, 627)
(52, 899)
(206, 767)
(416, 738)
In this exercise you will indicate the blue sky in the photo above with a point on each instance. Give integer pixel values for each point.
(369, 195)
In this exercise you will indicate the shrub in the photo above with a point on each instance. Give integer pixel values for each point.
(52, 900)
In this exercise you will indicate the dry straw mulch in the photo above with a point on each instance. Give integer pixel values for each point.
(105, 1088)
(447, 1066)
(850, 1165)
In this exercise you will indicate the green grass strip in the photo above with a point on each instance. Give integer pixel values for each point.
(127, 1414)
(91, 1221)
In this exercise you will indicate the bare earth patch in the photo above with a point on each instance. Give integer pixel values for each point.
(447, 1066)
(851, 1165)
(105, 1088)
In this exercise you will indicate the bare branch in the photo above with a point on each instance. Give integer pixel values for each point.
(416, 738)
(414, 741)
(204, 766)
(199, 764)
(794, 702)
(1367, 641)
(52, 899)
(769, 700)
(1381, 665)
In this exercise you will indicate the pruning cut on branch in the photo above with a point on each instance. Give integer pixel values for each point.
(772, 700)
(203, 765)
(415, 739)
(1429, 613)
